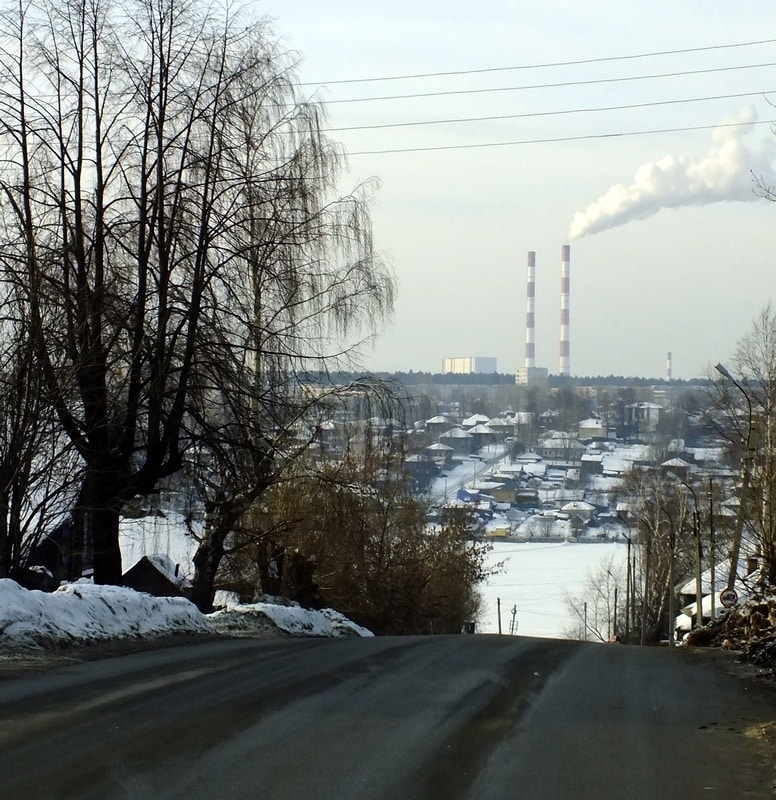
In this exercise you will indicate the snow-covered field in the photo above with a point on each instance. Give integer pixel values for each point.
(536, 578)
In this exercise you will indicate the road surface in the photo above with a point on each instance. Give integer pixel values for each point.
(424, 717)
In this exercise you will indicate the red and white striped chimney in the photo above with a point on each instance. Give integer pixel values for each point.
(530, 312)
(669, 365)
(565, 364)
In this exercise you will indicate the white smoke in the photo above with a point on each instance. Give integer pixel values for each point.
(724, 173)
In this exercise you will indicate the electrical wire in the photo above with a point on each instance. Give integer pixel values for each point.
(578, 62)
(529, 115)
(562, 84)
(554, 140)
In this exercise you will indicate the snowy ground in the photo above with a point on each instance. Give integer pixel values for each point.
(536, 578)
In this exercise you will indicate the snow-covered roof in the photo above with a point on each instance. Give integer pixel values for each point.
(474, 419)
(481, 429)
(679, 463)
(500, 422)
(455, 433)
(577, 505)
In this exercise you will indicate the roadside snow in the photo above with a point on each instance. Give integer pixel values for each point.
(82, 613)
(293, 619)
(79, 613)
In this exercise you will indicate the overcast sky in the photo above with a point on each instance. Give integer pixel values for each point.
(671, 248)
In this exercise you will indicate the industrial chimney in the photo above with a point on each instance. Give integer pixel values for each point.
(565, 366)
(668, 366)
(530, 313)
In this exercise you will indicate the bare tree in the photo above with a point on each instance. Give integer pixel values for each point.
(34, 459)
(175, 246)
(598, 613)
(745, 405)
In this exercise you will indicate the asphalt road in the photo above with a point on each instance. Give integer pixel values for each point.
(425, 717)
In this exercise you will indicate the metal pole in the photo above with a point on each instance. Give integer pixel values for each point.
(615, 613)
(633, 592)
(630, 579)
(713, 554)
(671, 579)
(646, 587)
(627, 592)
(498, 606)
(698, 570)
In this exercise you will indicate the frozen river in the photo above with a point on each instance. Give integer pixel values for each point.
(537, 578)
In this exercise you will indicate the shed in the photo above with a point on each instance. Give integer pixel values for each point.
(155, 575)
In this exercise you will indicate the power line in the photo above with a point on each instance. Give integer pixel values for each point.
(562, 84)
(619, 134)
(579, 62)
(561, 112)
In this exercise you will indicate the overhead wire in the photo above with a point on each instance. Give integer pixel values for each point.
(560, 112)
(578, 62)
(557, 85)
(557, 139)
(557, 112)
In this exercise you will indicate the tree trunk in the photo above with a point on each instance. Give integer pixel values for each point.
(96, 529)
(207, 559)
(106, 553)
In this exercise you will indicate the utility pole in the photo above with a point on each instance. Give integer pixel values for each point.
(713, 553)
(744, 479)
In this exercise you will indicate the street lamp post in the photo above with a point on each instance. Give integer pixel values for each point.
(744, 479)
(712, 553)
(629, 580)
(696, 527)
(671, 573)
(671, 578)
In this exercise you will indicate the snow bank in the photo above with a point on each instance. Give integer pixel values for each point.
(290, 618)
(80, 613)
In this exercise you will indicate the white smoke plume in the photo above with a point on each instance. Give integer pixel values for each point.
(724, 173)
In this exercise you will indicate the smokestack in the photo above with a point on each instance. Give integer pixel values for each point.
(668, 366)
(565, 256)
(530, 316)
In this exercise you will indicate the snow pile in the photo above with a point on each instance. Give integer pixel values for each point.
(80, 613)
(291, 618)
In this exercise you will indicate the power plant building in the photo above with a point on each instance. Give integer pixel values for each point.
(468, 365)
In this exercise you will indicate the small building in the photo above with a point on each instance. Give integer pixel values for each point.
(156, 575)
(439, 453)
(459, 440)
(592, 429)
(561, 446)
(501, 426)
(677, 466)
